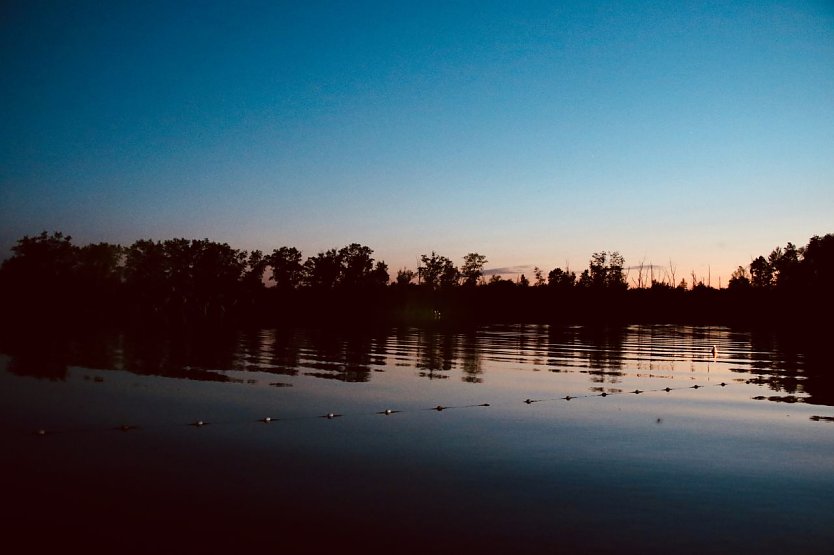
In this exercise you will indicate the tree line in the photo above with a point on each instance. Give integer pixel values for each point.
(790, 268)
(200, 280)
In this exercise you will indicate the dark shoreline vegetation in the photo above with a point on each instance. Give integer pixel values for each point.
(49, 281)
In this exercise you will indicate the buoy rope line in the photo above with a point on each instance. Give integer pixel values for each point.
(635, 392)
(384, 412)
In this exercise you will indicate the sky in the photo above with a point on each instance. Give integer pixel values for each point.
(696, 135)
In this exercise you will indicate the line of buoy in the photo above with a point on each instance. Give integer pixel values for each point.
(389, 411)
(606, 394)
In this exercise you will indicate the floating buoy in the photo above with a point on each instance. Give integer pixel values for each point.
(388, 411)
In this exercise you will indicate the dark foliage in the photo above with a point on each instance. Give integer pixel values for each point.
(181, 281)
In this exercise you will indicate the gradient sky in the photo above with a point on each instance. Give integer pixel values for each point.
(535, 133)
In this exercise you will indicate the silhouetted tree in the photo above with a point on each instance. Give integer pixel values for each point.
(98, 276)
(145, 272)
(405, 276)
(350, 267)
(100, 264)
(42, 261)
(738, 280)
(217, 267)
(183, 280)
(356, 265)
(189, 277)
(287, 269)
(40, 276)
(379, 277)
(660, 286)
(616, 278)
(606, 271)
(598, 269)
(539, 277)
(358, 268)
(203, 277)
(178, 269)
(472, 268)
(561, 278)
(253, 278)
(761, 273)
(786, 265)
(437, 271)
(323, 270)
(818, 262)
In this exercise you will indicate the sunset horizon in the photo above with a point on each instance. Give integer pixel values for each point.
(534, 134)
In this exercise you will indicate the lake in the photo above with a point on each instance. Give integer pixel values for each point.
(639, 439)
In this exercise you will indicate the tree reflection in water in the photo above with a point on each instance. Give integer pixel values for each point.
(793, 370)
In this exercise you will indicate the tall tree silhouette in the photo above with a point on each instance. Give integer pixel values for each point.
(323, 270)
(437, 271)
(472, 268)
(786, 265)
(253, 278)
(606, 271)
(41, 275)
(42, 261)
(100, 264)
(818, 262)
(287, 269)
(358, 268)
(356, 265)
(761, 273)
(145, 273)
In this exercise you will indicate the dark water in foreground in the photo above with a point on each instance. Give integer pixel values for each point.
(743, 463)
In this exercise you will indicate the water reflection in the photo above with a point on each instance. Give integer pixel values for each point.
(607, 356)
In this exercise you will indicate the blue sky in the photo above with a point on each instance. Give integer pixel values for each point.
(535, 133)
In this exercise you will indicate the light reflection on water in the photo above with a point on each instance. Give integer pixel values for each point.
(608, 357)
(689, 470)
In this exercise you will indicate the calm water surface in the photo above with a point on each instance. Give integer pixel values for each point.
(742, 463)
